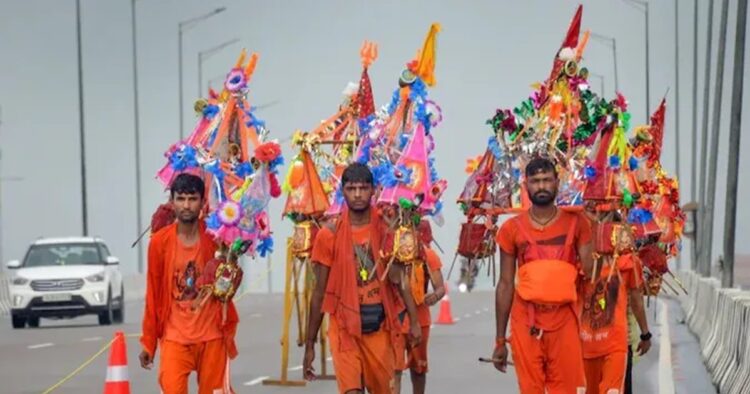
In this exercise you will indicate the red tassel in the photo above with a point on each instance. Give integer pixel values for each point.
(275, 188)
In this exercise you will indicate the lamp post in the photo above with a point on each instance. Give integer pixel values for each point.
(600, 77)
(81, 124)
(182, 27)
(204, 55)
(643, 6)
(612, 43)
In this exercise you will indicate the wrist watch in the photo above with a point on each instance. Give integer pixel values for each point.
(646, 336)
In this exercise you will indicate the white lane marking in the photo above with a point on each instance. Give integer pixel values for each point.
(456, 319)
(256, 315)
(666, 380)
(476, 312)
(256, 381)
(92, 339)
(297, 368)
(41, 345)
(486, 309)
(468, 315)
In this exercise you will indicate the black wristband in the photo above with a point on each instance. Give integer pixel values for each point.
(646, 336)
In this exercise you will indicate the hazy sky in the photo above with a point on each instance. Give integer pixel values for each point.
(489, 52)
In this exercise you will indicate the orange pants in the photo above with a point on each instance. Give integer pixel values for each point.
(414, 359)
(606, 374)
(553, 362)
(209, 359)
(370, 363)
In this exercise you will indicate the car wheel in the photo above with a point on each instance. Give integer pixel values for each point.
(105, 317)
(118, 315)
(33, 321)
(18, 321)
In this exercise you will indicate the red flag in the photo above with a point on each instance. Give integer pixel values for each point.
(657, 130)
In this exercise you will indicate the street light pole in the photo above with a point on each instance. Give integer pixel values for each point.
(137, 136)
(643, 6)
(612, 43)
(601, 82)
(694, 139)
(204, 55)
(703, 266)
(181, 28)
(81, 121)
(677, 99)
(715, 133)
(730, 218)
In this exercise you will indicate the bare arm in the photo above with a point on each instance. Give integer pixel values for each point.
(438, 288)
(636, 305)
(586, 255)
(395, 275)
(504, 294)
(316, 315)
(315, 318)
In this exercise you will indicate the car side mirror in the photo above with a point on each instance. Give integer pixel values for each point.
(112, 260)
(13, 264)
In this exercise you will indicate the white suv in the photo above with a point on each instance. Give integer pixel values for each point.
(65, 278)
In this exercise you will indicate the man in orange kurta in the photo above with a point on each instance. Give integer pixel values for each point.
(604, 323)
(363, 308)
(540, 294)
(410, 357)
(191, 337)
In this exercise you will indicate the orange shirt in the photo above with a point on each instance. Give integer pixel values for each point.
(604, 321)
(368, 289)
(511, 242)
(185, 325)
(433, 264)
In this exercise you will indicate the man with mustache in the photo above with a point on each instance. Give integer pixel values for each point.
(190, 339)
(551, 246)
(352, 287)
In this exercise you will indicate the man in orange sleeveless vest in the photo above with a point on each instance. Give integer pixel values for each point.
(415, 358)
(191, 339)
(604, 322)
(540, 296)
(364, 309)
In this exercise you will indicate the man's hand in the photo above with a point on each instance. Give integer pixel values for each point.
(147, 362)
(307, 368)
(643, 347)
(431, 299)
(415, 335)
(500, 355)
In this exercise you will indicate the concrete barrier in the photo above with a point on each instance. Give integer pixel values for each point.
(720, 318)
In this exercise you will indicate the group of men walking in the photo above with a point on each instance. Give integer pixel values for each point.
(568, 332)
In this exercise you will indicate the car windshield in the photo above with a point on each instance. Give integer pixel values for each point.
(62, 254)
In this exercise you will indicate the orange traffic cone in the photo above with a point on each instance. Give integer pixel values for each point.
(117, 368)
(445, 316)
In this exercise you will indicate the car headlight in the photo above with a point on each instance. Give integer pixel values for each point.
(20, 281)
(96, 277)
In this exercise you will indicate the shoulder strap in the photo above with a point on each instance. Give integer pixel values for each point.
(569, 239)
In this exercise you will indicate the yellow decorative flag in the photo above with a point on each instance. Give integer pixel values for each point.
(426, 58)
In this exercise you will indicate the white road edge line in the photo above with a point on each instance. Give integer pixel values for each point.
(255, 381)
(666, 380)
(92, 339)
(41, 345)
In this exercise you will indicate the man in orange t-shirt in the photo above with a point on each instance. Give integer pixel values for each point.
(604, 324)
(364, 309)
(415, 358)
(540, 295)
(192, 337)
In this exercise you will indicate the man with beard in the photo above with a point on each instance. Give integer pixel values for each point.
(191, 339)
(541, 297)
(350, 286)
